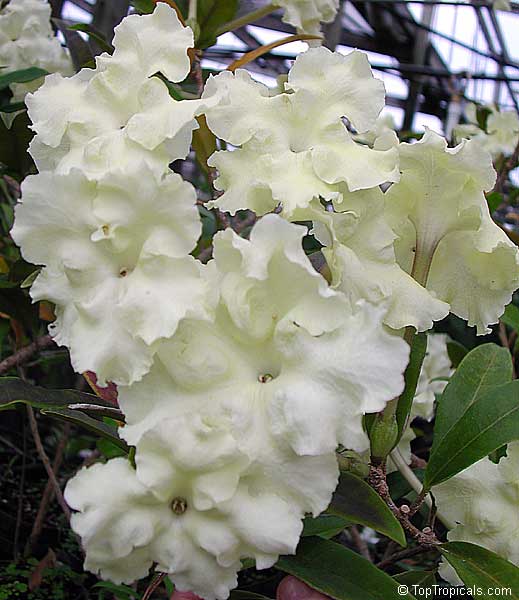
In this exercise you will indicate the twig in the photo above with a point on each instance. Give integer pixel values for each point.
(412, 480)
(407, 553)
(48, 493)
(19, 512)
(154, 585)
(377, 480)
(24, 354)
(503, 337)
(46, 462)
(508, 165)
(360, 543)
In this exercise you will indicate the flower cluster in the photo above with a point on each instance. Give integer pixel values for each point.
(481, 504)
(501, 133)
(236, 390)
(239, 379)
(27, 40)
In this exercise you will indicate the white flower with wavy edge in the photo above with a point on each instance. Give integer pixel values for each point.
(116, 263)
(502, 130)
(359, 249)
(297, 141)
(125, 528)
(289, 351)
(446, 238)
(118, 115)
(307, 15)
(197, 503)
(27, 40)
(481, 504)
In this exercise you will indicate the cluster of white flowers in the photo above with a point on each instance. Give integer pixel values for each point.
(502, 130)
(27, 40)
(307, 15)
(238, 379)
(427, 247)
(481, 504)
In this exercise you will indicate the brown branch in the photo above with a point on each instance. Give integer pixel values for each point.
(46, 462)
(361, 544)
(24, 354)
(407, 553)
(154, 585)
(48, 493)
(508, 166)
(377, 480)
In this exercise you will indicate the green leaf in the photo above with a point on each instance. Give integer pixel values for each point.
(421, 579)
(79, 50)
(210, 15)
(488, 423)
(21, 76)
(494, 199)
(480, 568)
(339, 572)
(121, 592)
(456, 352)
(483, 368)
(411, 375)
(357, 502)
(93, 425)
(245, 595)
(145, 7)
(399, 486)
(12, 108)
(94, 34)
(511, 317)
(325, 526)
(15, 391)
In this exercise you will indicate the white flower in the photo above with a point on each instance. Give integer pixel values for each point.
(481, 503)
(502, 130)
(297, 353)
(27, 40)
(446, 237)
(192, 506)
(307, 15)
(297, 140)
(116, 115)
(359, 249)
(116, 263)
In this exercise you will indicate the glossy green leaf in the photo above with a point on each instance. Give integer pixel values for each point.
(399, 486)
(145, 7)
(456, 352)
(95, 35)
(93, 425)
(210, 15)
(340, 573)
(79, 50)
(245, 595)
(411, 375)
(511, 317)
(494, 199)
(421, 579)
(15, 391)
(489, 422)
(484, 367)
(12, 108)
(325, 526)
(357, 502)
(478, 567)
(21, 76)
